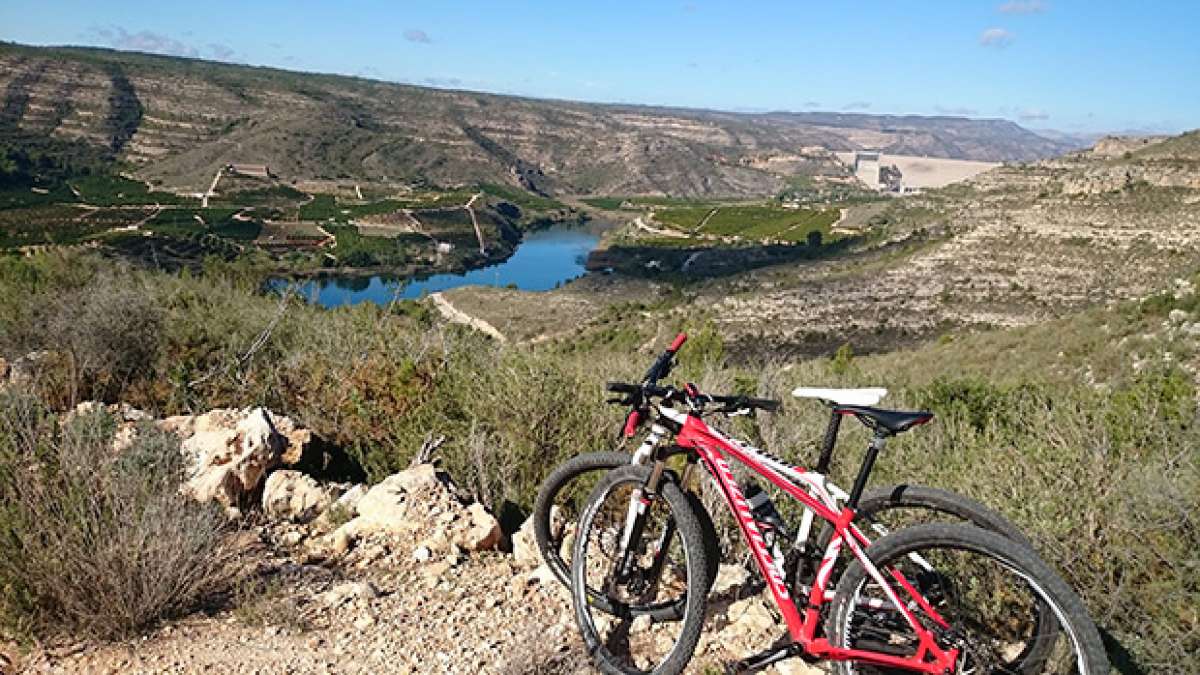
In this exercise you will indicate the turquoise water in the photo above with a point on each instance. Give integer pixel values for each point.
(542, 261)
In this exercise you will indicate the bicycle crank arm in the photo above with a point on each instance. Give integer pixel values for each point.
(761, 660)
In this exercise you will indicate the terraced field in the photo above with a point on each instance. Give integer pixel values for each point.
(757, 222)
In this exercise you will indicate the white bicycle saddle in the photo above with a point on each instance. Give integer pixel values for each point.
(866, 397)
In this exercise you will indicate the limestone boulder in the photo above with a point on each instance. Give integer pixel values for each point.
(526, 554)
(229, 452)
(293, 496)
(417, 507)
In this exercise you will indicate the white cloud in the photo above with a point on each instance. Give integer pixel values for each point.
(220, 52)
(1023, 7)
(417, 35)
(956, 111)
(158, 43)
(996, 37)
(1033, 115)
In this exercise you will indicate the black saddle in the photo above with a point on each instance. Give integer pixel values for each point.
(891, 422)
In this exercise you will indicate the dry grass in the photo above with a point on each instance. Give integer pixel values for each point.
(94, 543)
(1102, 479)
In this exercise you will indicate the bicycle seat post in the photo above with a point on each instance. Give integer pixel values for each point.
(831, 434)
(864, 472)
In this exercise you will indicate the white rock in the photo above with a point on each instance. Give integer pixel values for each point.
(420, 502)
(229, 453)
(526, 553)
(422, 554)
(730, 578)
(351, 591)
(348, 502)
(291, 495)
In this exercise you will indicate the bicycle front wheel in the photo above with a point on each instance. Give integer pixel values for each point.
(663, 564)
(987, 591)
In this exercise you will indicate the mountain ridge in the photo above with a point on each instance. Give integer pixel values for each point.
(312, 125)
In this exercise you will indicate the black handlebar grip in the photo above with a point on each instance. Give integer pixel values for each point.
(622, 387)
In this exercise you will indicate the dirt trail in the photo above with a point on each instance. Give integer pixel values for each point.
(704, 220)
(454, 315)
(475, 221)
(641, 224)
(211, 188)
(478, 616)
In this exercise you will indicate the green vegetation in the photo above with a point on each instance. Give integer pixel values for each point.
(607, 203)
(23, 196)
(325, 207)
(670, 201)
(686, 218)
(1101, 478)
(273, 196)
(523, 199)
(755, 222)
(356, 250)
(614, 203)
(105, 190)
(35, 160)
(760, 222)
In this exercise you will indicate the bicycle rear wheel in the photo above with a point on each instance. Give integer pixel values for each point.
(559, 499)
(986, 587)
(666, 567)
(890, 509)
(556, 512)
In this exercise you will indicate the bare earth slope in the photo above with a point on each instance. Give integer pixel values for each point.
(181, 119)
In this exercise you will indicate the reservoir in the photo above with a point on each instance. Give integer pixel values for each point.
(544, 260)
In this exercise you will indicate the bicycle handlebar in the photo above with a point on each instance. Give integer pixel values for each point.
(636, 395)
(662, 365)
(730, 403)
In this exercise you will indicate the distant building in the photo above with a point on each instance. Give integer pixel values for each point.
(251, 170)
(866, 168)
(890, 179)
(878, 176)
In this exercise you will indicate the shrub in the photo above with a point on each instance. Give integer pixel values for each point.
(96, 543)
(1103, 480)
(108, 330)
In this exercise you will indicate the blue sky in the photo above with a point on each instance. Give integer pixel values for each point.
(1067, 65)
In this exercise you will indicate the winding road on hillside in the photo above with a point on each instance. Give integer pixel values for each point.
(454, 315)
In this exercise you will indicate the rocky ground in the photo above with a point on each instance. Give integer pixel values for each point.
(409, 575)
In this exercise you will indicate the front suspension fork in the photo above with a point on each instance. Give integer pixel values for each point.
(635, 525)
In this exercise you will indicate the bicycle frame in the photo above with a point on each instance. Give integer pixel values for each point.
(810, 488)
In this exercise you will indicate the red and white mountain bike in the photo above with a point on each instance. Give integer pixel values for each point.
(933, 598)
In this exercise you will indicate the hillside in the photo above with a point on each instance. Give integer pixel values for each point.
(1082, 431)
(1015, 246)
(178, 120)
